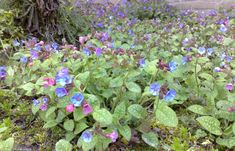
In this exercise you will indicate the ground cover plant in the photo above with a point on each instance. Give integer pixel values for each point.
(145, 78)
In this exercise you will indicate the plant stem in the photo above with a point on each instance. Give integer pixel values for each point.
(195, 71)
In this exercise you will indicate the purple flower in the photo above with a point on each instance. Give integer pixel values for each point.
(213, 12)
(181, 25)
(34, 54)
(60, 92)
(154, 89)
(105, 37)
(113, 136)
(100, 24)
(3, 72)
(86, 51)
(229, 87)
(86, 108)
(142, 62)
(201, 50)
(172, 66)
(170, 95)
(16, 43)
(86, 136)
(185, 41)
(223, 29)
(77, 99)
(98, 52)
(24, 59)
(217, 69)
(48, 47)
(121, 14)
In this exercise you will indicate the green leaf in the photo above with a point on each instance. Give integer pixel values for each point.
(50, 124)
(50, 111)
(120, 110)
(69, 125)
(2, 129)
(78, 114)
(80, 127)
(60, 116)
(125, 131)
(211, 124)
(83, 77)
(228, 142)
(137, 111)
(116, 82)
(28, 86)
(69, 136)
(10, 72)
(150, 139)
(35, 109)
(63, 145)
(7, 145)
(103, 116)
(166, 116)
(234, 128)
(198, 109)
(133, 87)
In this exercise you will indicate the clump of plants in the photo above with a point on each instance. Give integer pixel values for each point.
(127, 84)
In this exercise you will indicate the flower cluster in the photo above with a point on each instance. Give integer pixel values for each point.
(3, 72)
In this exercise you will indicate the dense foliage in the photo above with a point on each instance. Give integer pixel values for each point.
(166, 80)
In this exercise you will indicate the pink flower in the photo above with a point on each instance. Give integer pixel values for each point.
(70, 108)
(43, 107)
(229, 87)
(48, 82)
(82, 40)
(113, 135)
(86, 108)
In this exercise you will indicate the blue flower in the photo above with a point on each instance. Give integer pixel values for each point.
(55, 46)
(60, 92)
(77, 99)
(170, 95)
(184, 60)
(35, 102)
(34, 54)
(223, 28)
(142, 62)
(37, 48)
(229, 58)
(45, 100)
(16, 43)
(86, 51)
(210, 51)
(24, 59)
(3, 72)
(63, 72)
(201, 50)
(154, 89)
(63, 78)
(172, 66)
(86, 136)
